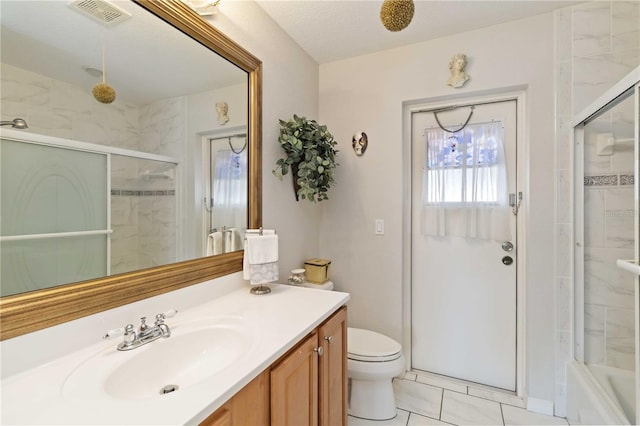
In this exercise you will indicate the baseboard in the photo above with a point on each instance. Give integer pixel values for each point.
(540, 406)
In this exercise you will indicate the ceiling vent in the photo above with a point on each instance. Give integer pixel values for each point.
(102, 11)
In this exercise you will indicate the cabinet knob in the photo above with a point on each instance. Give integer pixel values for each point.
(319, 350)
(328, 338)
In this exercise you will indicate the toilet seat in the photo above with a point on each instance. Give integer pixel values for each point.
(369, 346)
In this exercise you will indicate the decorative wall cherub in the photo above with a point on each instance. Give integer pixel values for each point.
(222, 108)
(456, 65)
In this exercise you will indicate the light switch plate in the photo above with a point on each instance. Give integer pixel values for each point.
(379, 226)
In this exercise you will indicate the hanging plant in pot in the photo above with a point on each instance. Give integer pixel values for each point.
(311, 156)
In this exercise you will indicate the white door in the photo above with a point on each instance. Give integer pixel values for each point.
(463, 291)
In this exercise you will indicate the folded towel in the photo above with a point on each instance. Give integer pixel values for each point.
(260, 262)
(214, 243)
(262, 249)
(236, 241)
(262, 274)
(226, 245)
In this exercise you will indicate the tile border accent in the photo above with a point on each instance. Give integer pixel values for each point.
(601, 180)
(612, 179)
(626, 179)
(142, 193)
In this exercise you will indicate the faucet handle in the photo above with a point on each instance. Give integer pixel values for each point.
(129, 336)
(170, 313)
(114, 333)
(143, 324)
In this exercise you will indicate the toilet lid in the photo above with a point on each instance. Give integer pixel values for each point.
(367, 345)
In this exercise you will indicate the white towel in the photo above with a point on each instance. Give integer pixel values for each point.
(262, 249)
(227, 236)
(236, 241)
(260, 262)
(214, 243)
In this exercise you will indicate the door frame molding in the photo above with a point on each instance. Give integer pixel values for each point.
(519, 94)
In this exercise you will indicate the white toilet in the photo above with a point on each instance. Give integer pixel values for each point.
(373, 361)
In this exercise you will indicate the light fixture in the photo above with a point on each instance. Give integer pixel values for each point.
(396, 15)
(16, 123)
(203, 7)
(102, 91)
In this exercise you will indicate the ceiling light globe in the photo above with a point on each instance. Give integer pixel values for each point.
(104, 93)
(396, 15)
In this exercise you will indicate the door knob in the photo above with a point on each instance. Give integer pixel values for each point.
(507, 260)
(507, 246)
(319, 350)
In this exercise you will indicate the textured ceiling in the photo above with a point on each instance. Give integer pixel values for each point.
(330, 30)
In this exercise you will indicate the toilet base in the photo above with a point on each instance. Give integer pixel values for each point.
(372, 399)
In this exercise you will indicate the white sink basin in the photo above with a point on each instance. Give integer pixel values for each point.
(161, 367)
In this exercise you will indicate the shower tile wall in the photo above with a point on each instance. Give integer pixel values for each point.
(597, 44)
(59, 109)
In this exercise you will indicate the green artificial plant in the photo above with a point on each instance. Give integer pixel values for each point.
(311, 156)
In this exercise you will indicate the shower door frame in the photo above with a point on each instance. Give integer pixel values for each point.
(617, 93)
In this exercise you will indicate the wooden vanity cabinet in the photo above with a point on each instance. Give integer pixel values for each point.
(333, 396)
(309, 384)
(294, 386)
(250, 406)
(306, 386)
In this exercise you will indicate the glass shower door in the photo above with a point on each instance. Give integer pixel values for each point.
(54, 221)
(606, 315)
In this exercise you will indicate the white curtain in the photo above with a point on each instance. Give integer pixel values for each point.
(464, 183)
(229, 190)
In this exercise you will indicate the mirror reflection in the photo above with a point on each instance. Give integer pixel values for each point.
(94, 188)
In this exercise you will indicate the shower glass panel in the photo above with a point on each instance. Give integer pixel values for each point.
(54, 224)
(608, 233)
(143, 213)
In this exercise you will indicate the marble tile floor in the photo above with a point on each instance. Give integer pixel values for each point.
(434, 400)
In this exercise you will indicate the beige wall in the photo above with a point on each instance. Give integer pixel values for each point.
(366, 93)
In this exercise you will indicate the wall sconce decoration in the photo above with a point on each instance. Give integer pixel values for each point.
(223, 109)
(203, 7)
(396, 15)
(457, 65)
(359, 142)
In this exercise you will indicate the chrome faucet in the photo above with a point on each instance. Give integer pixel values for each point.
(145, 333)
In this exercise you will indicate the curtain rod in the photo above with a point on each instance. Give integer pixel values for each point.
(237, 135)
(454, 107)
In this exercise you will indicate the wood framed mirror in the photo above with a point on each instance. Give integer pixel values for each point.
(36, 310)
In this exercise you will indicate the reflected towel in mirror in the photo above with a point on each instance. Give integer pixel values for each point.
(214, 243)
(235, 240)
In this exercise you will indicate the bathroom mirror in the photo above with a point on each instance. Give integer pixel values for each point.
(34, 310)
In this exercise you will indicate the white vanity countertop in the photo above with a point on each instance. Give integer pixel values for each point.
(277, 321)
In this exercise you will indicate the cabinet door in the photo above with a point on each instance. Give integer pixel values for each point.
(333, 370)
(222, 417)
(250, 406)
(294, 386)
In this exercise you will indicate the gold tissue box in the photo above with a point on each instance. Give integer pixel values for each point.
(317, 270)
